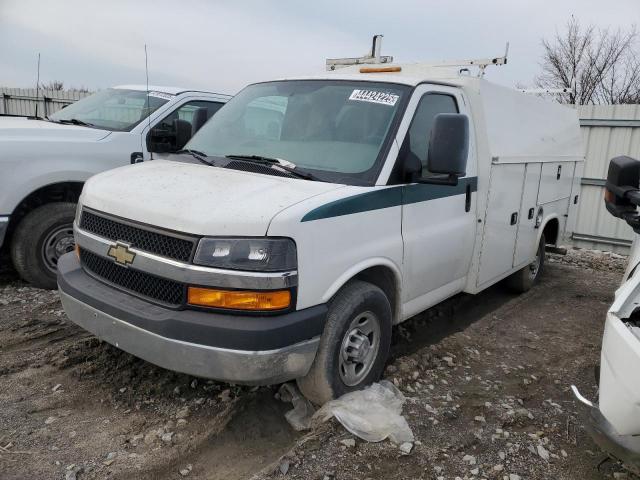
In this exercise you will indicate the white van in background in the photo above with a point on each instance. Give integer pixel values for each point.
(311, 214)
(45, 162)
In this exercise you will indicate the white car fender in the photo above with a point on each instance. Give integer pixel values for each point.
(360, 267)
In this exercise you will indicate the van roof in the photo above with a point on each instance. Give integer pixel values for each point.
(167, 90)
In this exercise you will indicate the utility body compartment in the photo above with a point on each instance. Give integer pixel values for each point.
(532, 152)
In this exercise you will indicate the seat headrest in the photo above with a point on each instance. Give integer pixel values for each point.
(200, 117)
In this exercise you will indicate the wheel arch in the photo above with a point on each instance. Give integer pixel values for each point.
(550, 230)
(67, 191)
(380, 272)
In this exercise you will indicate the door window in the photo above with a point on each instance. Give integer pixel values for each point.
(176, 129)
(417, 139)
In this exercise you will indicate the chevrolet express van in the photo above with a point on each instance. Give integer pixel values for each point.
(310, 215)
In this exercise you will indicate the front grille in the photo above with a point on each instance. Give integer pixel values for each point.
(147, 240)
(144, 284)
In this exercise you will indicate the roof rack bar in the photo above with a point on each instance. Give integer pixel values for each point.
(372, 57)
(481, 63)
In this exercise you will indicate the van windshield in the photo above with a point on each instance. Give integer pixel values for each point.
(335, 129)
(112, 109)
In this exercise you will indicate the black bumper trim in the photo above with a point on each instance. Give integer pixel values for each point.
(230, 331)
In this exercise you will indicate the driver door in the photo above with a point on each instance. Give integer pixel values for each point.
(438, 221)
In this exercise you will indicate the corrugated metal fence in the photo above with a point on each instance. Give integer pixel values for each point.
(23, 101)
(608, 131)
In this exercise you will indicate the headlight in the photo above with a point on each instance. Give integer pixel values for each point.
(254, 254)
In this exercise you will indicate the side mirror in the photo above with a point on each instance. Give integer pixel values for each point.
(449, 145)
(448, 151)
(622, 195)
(167, 138)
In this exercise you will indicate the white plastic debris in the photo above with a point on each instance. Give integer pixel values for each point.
(300, 416)
(372, 414)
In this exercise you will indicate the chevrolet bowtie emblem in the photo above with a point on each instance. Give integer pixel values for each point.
(121, 254)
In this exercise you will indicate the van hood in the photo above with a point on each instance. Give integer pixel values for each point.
(197, 199)
(26, 129)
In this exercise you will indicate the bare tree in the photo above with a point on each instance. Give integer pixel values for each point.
(53, 85)
(603, 64)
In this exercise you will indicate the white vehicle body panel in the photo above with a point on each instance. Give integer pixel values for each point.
(325, 260)
(525, 242)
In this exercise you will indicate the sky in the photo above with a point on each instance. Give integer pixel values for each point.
(224, 45)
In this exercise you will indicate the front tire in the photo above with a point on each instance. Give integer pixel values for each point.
(42, 236)
(526, 277)
(354, 345)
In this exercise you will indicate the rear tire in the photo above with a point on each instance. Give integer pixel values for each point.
(354, 345)
(526, 277)
(40, 239)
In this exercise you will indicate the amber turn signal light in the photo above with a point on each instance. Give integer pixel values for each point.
(239, 299)
(76, 249)
(380, 69)
(609, 196)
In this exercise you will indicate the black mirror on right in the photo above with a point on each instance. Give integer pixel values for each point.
(448, 151)
(449, 146)
(622, 195)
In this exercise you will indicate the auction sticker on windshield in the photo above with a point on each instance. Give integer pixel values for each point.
(372, 96)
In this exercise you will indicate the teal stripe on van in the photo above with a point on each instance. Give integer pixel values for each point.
(389, 197)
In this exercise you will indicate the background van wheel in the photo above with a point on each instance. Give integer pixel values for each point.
(354, 345)
(525, 278)
(42, 236)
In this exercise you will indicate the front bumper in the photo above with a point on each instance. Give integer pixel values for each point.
(239, 349)
(625, 448)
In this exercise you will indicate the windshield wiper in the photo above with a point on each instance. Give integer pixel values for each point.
(278, 163)
(75, 121)
(200, 156)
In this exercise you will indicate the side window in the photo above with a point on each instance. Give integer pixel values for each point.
(176, 129)
(431, 104)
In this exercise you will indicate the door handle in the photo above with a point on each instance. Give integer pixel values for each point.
(531, 211)
(514, 218)
(559, 171)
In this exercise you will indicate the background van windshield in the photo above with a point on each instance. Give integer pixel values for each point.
(334, 128)
(112, 109)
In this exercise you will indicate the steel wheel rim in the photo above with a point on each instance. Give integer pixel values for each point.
(359, 348)
(57, 242)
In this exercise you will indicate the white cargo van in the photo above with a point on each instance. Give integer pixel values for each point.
(312, 214)
(614, 421)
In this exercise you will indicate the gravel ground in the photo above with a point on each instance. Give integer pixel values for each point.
(487, 380)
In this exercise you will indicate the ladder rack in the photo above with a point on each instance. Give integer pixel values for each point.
(374, 57)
